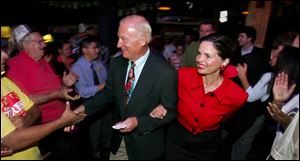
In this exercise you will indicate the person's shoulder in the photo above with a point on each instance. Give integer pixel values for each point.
(116, 62)
(258, 48)
(235, 91)
(78, 63)
(258, 51)
(14, 59)
(117, 59)
(5, 81)
(16, 63)
(187, 71)
(267, 75)
(159, 64)
(156, 58)
(194, 44)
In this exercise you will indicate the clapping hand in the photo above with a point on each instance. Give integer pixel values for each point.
(242, 70)
(66, 94)
(69, 79)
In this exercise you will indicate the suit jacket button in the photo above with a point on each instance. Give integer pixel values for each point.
(211, 94)
(202, 105)
(196, 120)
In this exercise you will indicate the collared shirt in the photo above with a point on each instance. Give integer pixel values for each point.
(85, 84)
(198, 111)
(287, 147)
(36, 78)
(260, 89)
(247, 51)
(290, 108)
(139, 65)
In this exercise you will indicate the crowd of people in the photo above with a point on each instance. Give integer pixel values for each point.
(183, 98)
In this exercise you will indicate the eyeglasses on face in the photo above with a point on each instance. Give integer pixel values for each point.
(40, 42)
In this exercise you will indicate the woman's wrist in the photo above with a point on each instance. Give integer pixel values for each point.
(278, 103)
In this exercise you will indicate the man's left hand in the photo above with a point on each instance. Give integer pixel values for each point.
(131, 123)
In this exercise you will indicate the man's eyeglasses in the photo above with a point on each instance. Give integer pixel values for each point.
(40, 42)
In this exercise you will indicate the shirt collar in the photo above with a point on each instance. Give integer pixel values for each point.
(197, 80)
(85, 62)
(142, 60)
(220, 92)
(248, 50)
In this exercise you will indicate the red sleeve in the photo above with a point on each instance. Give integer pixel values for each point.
(239, 97)
(230, 72)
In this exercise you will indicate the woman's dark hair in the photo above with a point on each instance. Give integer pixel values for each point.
(222, 43)
(288, 63)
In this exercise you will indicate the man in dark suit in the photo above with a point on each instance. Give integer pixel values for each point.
(152, 82)
(256, 60)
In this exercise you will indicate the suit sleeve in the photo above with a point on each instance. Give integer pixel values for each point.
(168, 98)
(105, 96)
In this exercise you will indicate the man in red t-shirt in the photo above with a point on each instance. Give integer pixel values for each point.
(36, 78)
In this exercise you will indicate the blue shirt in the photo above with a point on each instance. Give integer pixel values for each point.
(85, 84)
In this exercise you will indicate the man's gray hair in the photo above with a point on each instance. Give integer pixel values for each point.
(140, 24)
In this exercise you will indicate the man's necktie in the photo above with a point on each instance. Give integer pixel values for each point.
(95, 77)
(130, 82)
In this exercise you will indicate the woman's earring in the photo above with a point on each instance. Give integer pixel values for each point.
(222, 67)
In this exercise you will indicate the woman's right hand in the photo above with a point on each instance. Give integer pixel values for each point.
(158, 112)
(281, 91)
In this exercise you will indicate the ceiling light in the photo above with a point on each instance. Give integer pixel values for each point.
(245, 12)
(164, 8)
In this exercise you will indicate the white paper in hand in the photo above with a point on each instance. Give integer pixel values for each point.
(119, 126)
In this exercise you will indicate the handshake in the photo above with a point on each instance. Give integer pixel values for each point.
(70, 118)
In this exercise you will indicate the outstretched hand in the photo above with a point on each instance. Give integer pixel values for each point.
(72, 117)
(281, 90)
(278, 115)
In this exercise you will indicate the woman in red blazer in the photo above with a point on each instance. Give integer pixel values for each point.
(207, 97)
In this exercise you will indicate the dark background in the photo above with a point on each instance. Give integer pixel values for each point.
(44, 15)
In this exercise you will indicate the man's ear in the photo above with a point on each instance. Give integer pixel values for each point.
(144, 40)
(84, 50)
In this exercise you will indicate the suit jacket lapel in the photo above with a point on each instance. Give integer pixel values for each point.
(119, 84)
(145, 82)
